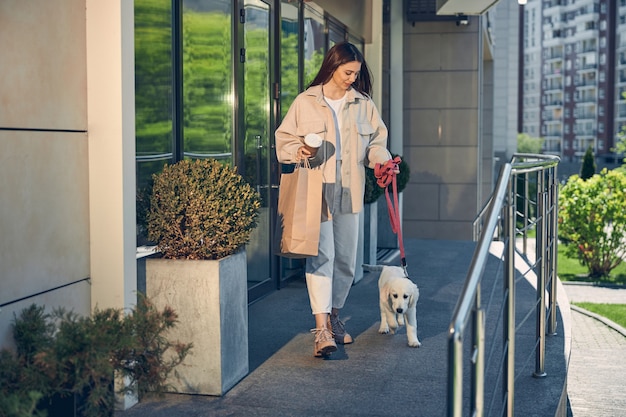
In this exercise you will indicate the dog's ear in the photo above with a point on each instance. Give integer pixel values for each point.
(415, 293)
(384, 292)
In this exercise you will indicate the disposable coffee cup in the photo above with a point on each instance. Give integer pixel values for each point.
(312, 142)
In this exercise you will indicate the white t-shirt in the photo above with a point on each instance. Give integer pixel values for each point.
(337, 105)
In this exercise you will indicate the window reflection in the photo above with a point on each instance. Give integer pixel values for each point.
(153, 98)
(207, 79)
(314, 42)
(289, 71)
(153, 87)
(336, 33)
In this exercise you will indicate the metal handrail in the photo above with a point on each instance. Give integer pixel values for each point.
(500, 220)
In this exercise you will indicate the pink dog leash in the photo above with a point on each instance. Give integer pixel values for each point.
(386, 175)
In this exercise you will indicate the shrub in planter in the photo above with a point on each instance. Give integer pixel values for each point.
(148, 357)
(201, 209)
(65, 364)
(373, 191)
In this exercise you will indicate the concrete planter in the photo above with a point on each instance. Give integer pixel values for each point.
(211, 299)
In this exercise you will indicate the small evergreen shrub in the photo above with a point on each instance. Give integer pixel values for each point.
(588, 168)
(201, 209)
(373, 191)
(63, 356)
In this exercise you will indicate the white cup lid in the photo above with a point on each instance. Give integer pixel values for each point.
(313, 140)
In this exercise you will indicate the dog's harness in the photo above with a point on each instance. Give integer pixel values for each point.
(386, 175)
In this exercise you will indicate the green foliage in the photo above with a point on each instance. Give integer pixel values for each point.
(63, 354)
(18, 398)
(592, 220)
(620, 146)
(289, 88)
(570, 269)
(373, 191)
(588, 168)
(528, 144)
(32, 332)
(201, 210)
(147, 357)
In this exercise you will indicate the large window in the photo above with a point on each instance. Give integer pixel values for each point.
(183, 87)
(187, 65)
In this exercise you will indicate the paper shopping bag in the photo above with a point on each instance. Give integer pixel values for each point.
(299, 212)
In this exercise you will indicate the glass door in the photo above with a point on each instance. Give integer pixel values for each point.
(256, 61)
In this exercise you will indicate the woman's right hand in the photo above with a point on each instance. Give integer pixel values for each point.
(303, 153)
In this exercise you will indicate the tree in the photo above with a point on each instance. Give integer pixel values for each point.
(588, 169)
(528, 144)
(620, 146)
(592, 220)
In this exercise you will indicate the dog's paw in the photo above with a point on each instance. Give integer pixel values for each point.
(383, 330)
(415, 343)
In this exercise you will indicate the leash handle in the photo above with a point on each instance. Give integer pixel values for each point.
(386, 175)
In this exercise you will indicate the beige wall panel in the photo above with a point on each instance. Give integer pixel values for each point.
(440, 89)
(44, 211)
(457, 202)
(43, 62)
(422, 52)
(438, 230)
(459, 51)
(422, 127)
(441, 127)
(421, 202)
(73, 298)
(443, 165)
(459, 127)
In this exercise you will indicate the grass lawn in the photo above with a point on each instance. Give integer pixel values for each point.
(613, 312)
(571, 270)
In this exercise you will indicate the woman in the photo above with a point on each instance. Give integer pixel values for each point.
(338, 108)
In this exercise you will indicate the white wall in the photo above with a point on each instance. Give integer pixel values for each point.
(111, 126)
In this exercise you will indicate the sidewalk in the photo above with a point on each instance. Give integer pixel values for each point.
(597, 367)
(378, 375)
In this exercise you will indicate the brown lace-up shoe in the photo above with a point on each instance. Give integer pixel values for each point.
(339, 331)
(324, 343)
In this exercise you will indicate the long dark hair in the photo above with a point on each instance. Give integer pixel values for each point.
(340, 54)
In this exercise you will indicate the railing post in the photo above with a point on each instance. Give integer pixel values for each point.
(554, 239)
(455, 374)
(540, 270)
(525, 215)
(478, 358)
(508, 377)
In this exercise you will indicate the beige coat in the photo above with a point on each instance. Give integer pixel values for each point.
(363, 137)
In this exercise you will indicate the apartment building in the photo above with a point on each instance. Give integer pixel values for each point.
(574, 75)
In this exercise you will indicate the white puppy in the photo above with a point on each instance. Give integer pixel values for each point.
(398, 299)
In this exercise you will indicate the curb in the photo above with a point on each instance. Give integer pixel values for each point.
(594, 284)
(600, 318)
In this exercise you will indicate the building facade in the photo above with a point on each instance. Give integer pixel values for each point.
(97, 95)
